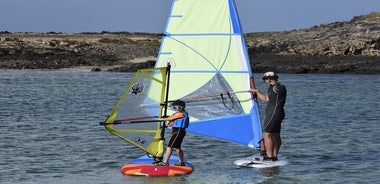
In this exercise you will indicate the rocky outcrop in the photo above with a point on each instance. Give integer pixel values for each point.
(57, 50)
(358, 37)
(339, 47)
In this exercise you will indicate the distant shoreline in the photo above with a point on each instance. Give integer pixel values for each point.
(350, 47)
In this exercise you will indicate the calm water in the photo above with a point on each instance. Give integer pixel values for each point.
(50, 134)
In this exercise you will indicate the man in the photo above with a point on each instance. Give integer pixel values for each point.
(275, 113)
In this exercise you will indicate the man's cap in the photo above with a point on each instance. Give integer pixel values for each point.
(270, 75)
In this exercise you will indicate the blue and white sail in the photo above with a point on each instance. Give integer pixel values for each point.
(210, 70)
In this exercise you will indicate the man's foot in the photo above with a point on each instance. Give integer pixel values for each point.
(180, 164)
(270, 159)
(162, 164)
(267, 159)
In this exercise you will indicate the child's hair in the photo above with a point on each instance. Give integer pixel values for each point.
(179, 103)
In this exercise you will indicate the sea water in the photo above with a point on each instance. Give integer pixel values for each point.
(50, 132)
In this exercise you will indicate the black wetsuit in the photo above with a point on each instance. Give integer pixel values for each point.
(275, 112)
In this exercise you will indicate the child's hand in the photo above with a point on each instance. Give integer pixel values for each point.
(169, 123)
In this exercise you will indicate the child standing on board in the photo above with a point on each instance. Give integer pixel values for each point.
(179, 121)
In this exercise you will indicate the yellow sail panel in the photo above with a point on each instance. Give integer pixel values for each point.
(134, 117)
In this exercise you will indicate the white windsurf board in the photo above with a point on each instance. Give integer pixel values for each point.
(257, 162)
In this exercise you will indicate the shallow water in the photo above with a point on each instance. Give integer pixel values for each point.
(50, 133)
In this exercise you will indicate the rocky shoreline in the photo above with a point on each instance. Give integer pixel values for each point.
(351, 47)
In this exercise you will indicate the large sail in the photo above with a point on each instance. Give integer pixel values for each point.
(134, 117)
(204, 44)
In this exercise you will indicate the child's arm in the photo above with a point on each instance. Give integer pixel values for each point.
(173, 117)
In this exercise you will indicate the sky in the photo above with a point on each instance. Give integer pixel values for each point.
(150, 16)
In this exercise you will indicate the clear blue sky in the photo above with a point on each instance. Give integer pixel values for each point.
(73, 16)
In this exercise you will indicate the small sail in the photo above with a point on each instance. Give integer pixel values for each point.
(134, 117)
(204, 44)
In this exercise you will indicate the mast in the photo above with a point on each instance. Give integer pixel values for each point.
(165, 104)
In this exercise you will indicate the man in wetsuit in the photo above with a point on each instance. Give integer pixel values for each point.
(275, 113)
(179, 121)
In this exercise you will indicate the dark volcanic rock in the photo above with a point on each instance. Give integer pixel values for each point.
(133, 66)
(317, 64)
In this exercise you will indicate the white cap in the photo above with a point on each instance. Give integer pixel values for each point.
(270, 75)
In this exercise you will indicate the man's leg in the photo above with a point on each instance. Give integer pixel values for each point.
(268, 140)
(276, 143)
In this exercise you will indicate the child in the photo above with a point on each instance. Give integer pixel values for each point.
(179, 121)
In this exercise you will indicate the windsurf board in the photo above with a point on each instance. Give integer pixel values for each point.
(257, 162)
(143, 166)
